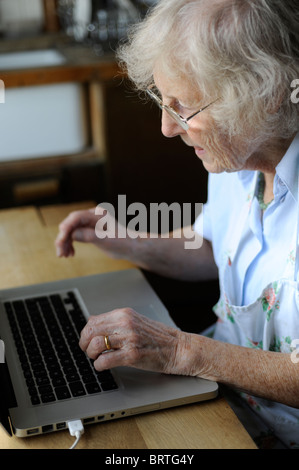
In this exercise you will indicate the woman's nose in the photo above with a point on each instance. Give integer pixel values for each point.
(169, 127)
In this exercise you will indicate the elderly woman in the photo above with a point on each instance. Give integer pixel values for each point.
(222, 73)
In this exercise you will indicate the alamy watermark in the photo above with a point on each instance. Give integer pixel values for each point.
(159, 220)
(295, 93)
(2, 352)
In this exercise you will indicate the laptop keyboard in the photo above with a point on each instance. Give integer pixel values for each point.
(46, 332)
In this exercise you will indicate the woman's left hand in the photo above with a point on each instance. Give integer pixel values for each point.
(135, 341)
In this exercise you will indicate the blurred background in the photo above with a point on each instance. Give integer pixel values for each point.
(72, 128)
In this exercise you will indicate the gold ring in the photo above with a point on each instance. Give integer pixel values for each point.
(107, 342)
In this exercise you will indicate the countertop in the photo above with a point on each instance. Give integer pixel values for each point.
(27, 245)
(82, 64)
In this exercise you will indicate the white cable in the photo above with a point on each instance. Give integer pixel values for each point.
(78, 436)
(76, 429)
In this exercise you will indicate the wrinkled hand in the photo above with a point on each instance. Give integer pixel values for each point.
(77, 226)
(135, 340)
(90, 226)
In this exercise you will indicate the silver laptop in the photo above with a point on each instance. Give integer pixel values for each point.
(47, 381)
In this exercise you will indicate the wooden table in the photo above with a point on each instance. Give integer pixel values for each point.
(27, 257)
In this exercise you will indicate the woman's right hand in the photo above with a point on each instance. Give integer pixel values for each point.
(95, 226)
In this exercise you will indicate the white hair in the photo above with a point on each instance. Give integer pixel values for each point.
(244, 51)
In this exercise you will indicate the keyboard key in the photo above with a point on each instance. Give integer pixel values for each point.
(104, 376)
(52, 364)
(30, 382)
(48, 398)
(111, 385)
(67, 362)
(62, 393)
(50, 358)
(69, 369)
(55, 374)
(25, 366)
(93, 387)
(58, 381)
(84, 369)
(35, 400)
(45, 389)
(42, 381)
(38, 366)
(72, 376)
(40, 374)
(27, 374)
(77, 389)
(88, 378)
(32, 391)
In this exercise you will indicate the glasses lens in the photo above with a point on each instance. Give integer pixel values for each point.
(176, 117)
(155, 95)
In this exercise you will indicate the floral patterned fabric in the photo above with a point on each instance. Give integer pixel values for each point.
(258, 270)
(270, 323)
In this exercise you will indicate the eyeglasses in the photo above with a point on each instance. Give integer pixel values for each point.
(183, 122)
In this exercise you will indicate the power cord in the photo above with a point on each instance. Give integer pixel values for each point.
(76, 429)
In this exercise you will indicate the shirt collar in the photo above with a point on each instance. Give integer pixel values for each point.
(287, 170)
(246, 177)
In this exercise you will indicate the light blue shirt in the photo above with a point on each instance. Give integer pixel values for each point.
(267, 239)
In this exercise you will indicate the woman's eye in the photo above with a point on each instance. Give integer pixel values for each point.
(179, 107)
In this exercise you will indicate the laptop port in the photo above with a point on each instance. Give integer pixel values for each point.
(60, 426)
(101, 417)
(88, 420)
(32, 431)
(47, 428)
